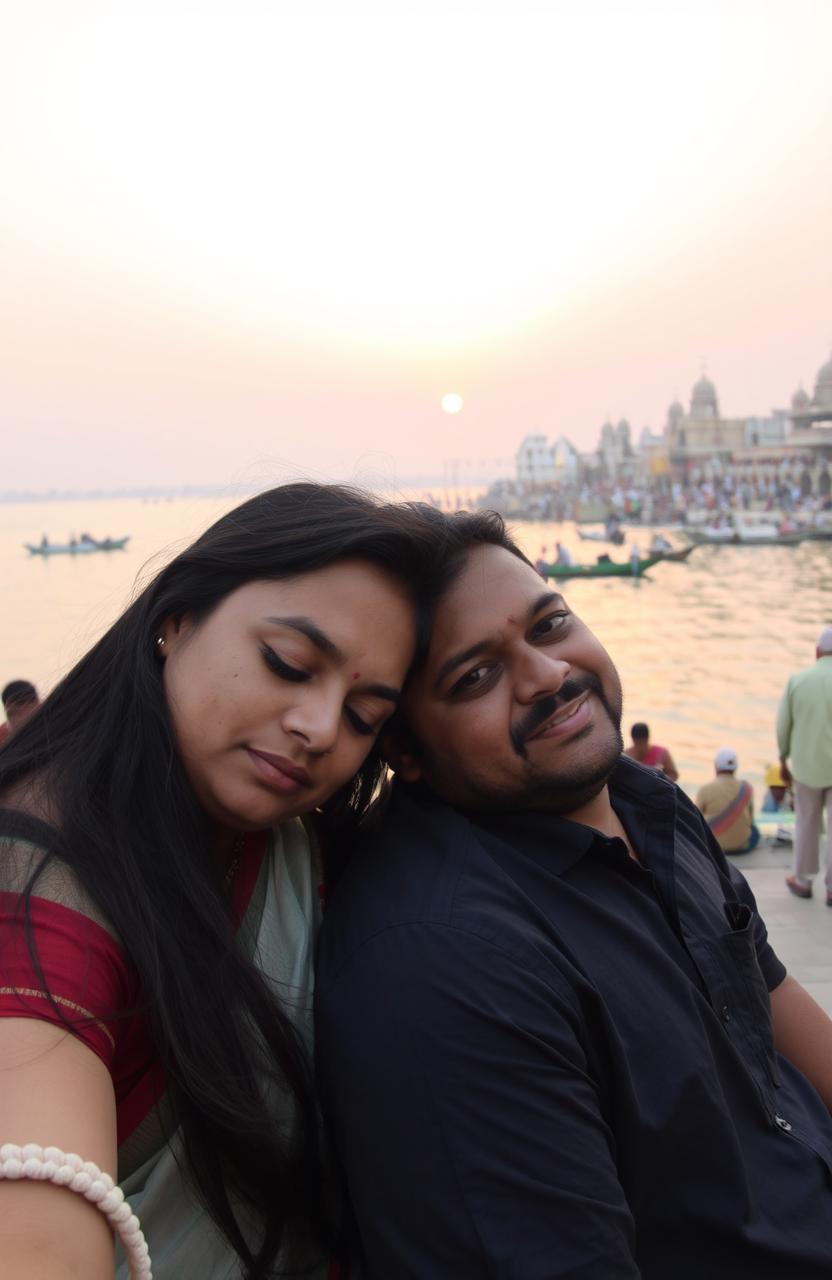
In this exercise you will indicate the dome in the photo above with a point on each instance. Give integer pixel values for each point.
(800, 400)
(676, 411)
(703, 402)
(823, 386)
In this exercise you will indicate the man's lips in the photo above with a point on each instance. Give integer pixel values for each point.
(573, 716)
(278, 771)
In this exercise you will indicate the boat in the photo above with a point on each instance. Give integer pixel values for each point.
(604, 568)
(745, 532)
(676, 554)
(616, 536)
(81, 548)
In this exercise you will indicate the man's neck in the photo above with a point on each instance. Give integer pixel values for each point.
(599, 814)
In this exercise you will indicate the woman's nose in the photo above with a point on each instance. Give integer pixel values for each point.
(316, 720)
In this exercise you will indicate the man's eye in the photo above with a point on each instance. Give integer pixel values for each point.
(276, 664)
(549, 625)
(471, 680)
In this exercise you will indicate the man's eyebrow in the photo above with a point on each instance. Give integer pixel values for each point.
(482, 646)
(543, 602)
(314, 633)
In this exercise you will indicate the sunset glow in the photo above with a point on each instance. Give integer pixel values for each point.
(246, 221)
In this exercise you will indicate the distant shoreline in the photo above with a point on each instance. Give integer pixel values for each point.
(190, 491)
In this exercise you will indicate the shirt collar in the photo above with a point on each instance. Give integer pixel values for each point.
(640, 796)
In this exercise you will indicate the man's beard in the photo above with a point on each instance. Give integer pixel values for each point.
(561, 791)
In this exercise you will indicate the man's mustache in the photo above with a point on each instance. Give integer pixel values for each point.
(543, 710)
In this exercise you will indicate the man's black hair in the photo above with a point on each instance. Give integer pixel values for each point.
(18, 692)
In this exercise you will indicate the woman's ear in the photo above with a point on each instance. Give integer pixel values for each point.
(171, 632)
(399, 751)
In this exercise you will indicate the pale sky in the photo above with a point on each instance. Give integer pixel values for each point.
(240, 240)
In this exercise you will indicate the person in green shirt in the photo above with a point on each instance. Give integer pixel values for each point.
(804, 737)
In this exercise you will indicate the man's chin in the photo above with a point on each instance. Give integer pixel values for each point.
(568, 790)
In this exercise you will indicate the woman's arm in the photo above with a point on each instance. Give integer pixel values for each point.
(56, 1092)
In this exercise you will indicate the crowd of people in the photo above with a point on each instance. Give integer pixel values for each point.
(539, 1030)
(800, 488)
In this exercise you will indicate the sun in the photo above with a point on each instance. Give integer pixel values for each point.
(452, 403)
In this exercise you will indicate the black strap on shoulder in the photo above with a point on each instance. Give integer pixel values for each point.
(22, 826)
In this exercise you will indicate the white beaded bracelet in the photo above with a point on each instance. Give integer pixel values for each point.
(84, 1177)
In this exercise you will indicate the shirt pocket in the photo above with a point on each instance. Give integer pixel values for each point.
(742, 1001)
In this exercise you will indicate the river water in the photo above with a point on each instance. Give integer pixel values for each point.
(704, 648)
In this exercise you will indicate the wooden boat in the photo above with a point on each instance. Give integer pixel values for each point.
(603, 569)
(81, 548)
(677, 554)
(615, 536)
(746, 531)
(733, 538)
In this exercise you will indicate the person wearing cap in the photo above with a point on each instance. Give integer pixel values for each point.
(777, 798)
(804, 737)
(727, 805)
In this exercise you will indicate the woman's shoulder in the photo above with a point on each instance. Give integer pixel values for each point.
(31, 861)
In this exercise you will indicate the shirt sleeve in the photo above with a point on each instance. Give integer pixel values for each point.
(66, 968)
(466, 1115)
(784, 723)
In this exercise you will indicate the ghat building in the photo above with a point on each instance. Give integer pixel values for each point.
(693, 442)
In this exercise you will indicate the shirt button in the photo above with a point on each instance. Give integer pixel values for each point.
(782, 1124)
(725, 1013)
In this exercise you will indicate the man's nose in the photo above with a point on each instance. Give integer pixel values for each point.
(539, 674)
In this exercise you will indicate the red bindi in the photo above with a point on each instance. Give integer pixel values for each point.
(356, 674)
(509, 619)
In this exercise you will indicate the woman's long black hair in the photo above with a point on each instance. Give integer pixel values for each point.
(102, 749)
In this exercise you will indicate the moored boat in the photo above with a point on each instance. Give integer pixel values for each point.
(602, 569)
(676, 554)
(82, 547)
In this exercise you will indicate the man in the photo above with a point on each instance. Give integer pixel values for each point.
(20, 700)
(650, 753)
(727, 805)
(545, 1041)
(804, 736)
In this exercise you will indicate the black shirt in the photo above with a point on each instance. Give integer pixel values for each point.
(543, 1059)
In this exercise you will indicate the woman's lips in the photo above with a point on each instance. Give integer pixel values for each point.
(565, 722)
(279, 773)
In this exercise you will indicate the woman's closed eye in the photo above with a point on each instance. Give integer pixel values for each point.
(359, 724)
(283, 669)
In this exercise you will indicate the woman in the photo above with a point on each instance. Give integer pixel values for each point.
(158, 892)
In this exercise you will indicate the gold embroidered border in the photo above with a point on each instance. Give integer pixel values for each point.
(69, 1004)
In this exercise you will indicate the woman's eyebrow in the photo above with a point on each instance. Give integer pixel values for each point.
(313, 632)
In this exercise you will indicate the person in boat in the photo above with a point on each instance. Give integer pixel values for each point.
(44, 542)
(660, 544)
(563, 555)
(160, 828)
(650, 753)
(727, 805)
(553, 1038)
(20, 702)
